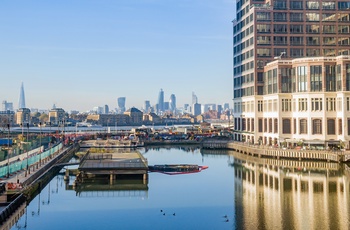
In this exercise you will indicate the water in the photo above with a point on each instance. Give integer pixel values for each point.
(253, 193)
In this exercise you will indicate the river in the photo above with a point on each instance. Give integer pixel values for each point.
(235, 192)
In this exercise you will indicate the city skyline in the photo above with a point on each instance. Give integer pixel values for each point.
(81, 54)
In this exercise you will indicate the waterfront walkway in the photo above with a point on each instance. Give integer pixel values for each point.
(278, 153)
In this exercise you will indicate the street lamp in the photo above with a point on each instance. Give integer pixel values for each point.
(27, 170)
(8, 151)
(40, 145)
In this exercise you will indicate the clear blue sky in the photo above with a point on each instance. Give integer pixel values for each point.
(80, 54)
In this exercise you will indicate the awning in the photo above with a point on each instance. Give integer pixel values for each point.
(333, 142)
(314, 142)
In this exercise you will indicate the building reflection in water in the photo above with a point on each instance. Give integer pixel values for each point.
(270, 194)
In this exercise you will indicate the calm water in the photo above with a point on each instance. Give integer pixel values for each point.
(253, 193)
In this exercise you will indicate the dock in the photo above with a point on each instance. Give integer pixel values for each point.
(114, 165)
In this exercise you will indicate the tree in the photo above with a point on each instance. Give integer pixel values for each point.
(44, 117)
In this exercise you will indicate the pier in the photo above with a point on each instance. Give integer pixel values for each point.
(114, 165)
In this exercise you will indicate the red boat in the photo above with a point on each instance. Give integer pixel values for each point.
(174, 169)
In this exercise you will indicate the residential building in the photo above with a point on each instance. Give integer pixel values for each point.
(297, 37)
(57, 116)
(23, 116)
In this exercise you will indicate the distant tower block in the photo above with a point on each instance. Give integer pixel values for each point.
(22, 99)
(121, 104)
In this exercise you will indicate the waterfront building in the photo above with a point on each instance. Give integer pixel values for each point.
(160, 107)
(135, 116)
(312, 39)
(151, 118)
(7, 117)
(57, 116)
(22, 100)
(23, 116)
(108, 119)
(172, 103)
(7, 106)
(121, 104)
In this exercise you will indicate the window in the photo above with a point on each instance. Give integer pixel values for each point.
(316, 126)
(262, 28)
(286, 126)
(286, 105)
(260, 125)
(345, 5)
(340, 126)
(296, 5)
(265, 125)
(347, 75)
(303, 126)
(280, 28)
(260, 106)
(279, 17)
(314, 41)
(302, 104)
(312, 17)
(263, 16)
(330, 78)
(316, 104)
(275, 125)
(316, 78)
(330, 104)
(312, 5)
(270, 125)
(296, 17)
(286, 80)
(302, 78)
(313, 29)
(296, 29)
(331, 126)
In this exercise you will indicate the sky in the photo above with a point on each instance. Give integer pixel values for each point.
(79, 54)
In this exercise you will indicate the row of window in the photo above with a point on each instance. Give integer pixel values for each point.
(291, 126)
(301, 41)
(300, 29)
(293, 105)
(311, 5)
(302, 17)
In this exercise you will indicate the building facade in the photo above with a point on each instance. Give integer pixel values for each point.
(23, 116)
(311, 33)
(57, 116)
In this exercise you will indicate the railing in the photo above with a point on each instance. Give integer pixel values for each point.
(32, 159)
(259, 150)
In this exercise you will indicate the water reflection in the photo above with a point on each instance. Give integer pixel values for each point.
(273, 196)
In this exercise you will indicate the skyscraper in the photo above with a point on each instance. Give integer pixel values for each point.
(290, 59)
(160, 102)
(121, 104)
(172, 103)
(194, 98)
(147, 106)
(22, 100)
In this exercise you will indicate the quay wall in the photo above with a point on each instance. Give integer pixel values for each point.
(277, 153)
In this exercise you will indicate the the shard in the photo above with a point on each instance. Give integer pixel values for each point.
(22, 100)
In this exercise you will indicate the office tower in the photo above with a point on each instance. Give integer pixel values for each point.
(226, 106)
(160, 108)
(147, 106)
(219, 109)
(287, 68)
(166, 106)
(22, 100)
(194, 98)
(7, 106)
(121, 104)
(172, 103)
(106, 109)
(196, 109)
